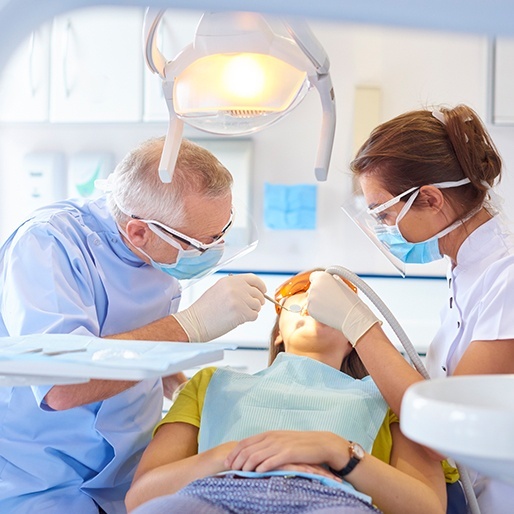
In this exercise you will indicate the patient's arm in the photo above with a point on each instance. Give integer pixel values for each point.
(412, 478)
(171, 461)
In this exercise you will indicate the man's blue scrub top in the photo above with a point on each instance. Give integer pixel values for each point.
(67, 270)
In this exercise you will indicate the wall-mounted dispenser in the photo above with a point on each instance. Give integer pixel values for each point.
(46, 178)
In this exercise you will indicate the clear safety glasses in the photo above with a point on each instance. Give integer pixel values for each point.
(300, 283)
(376, 211)
(191, 242)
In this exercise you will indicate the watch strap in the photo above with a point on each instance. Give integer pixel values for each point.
(354, 460)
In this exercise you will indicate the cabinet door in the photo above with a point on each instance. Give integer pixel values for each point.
(96, 66)
(24, 81)
(175, 32)
(503, 82)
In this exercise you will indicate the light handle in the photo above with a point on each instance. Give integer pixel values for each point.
(323, 84)
(171, 148)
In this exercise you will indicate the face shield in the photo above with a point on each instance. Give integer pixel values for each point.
(371, 224)
(380, 224)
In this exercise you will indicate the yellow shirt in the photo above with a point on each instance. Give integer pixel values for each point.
(188, 407)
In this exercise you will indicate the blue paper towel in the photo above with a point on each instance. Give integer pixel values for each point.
(290, 207)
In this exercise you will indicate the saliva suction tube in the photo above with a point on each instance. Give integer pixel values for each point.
(411, 353)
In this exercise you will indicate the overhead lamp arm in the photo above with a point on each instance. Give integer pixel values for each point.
(311, 47)
(153, 56)
(307, 41)
(157, 64)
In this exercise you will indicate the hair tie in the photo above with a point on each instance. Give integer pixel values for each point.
(438, 115)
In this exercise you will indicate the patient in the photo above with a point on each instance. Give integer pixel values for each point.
(276, 441)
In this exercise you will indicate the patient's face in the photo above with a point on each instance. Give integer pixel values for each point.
(300, 333)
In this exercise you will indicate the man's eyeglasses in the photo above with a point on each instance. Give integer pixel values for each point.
(300, 283)
(191, 241)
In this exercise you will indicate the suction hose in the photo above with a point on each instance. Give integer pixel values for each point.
(411, 353)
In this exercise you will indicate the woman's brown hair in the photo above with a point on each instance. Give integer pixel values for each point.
(427, 147)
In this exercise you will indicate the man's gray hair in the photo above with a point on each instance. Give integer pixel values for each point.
(137, 189)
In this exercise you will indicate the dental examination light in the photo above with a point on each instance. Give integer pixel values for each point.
(239, 76)
(411, 353)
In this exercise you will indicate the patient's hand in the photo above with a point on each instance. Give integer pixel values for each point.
(275, 449)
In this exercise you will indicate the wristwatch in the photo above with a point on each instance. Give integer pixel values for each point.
(356, 455)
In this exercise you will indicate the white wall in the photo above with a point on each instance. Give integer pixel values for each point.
(412, 68)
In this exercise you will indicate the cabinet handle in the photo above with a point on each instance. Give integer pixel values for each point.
(32, 81)
(65, 57)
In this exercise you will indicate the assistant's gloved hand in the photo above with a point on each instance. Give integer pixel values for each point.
(233, 300)
(332, 302)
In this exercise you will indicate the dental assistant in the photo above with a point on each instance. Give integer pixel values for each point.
(426, 178)
(110, 268)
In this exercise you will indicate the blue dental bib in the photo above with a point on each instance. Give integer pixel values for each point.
(294, 393)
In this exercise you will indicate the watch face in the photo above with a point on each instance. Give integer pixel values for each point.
(357, 451)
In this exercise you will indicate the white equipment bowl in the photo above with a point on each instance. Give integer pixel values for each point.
(467, 418)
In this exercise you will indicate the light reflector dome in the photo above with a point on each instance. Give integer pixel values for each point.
(237, 94)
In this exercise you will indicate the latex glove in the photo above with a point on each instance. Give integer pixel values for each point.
(173, 384)
(233, 300)
(332, 302)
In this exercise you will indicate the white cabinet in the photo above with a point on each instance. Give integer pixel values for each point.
(96, 64)
(87, 66)
(24, 81)
(175, 32)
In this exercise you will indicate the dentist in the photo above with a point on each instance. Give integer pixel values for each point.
(110, 268)
(426, 178)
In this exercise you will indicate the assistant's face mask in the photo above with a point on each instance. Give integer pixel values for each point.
(410, 253)
(414, 253)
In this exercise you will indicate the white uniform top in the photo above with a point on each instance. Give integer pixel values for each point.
(480, 307)
(66, 270)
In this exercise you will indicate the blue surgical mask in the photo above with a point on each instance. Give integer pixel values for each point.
(423, 251)
(411, 253)
(189, 263)
(190, 266)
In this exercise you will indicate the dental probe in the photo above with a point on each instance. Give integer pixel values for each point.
(292, 308)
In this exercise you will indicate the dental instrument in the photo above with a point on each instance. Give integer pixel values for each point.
(292, 308)
(348, 275)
